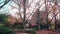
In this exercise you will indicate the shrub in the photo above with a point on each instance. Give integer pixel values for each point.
(5, 30)
(31, 31)
(18, 26)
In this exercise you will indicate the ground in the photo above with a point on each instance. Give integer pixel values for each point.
(42, 32)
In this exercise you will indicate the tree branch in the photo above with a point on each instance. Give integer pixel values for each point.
(6, 1)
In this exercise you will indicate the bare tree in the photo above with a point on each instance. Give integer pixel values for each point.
(55, 10)
(5, 2)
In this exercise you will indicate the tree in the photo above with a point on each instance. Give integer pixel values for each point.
(5, 2)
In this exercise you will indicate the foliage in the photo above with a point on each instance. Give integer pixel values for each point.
(3, 18)
(31, 31)
(18, 26)
(5, 30)
(42, 27)
(35, 28)
(1, 25)
(52, 26)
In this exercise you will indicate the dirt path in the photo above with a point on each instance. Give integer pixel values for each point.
(47, 32)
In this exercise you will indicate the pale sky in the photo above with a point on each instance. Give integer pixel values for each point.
(12, 8)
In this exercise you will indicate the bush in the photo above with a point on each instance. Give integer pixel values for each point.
(18, 26)
(1, 25)
(3, 18)
(5, 30)
(30, 31)
(36, 28)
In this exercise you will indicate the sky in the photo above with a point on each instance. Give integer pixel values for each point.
(8, 8)
(12, 8)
